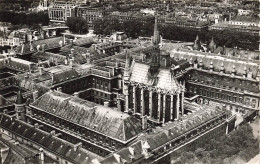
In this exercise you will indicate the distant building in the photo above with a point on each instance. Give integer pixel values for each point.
(244, 12)
(240, 24)
(60, 11)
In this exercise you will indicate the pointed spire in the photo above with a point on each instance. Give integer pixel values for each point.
(212, 45)
(156, 35)
(197, 45)
(19, 99)
(197, 37)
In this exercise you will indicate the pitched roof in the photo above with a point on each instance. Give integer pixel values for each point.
(161, 135)
(84, 41)
(217, 62)
(50, 43)
(4, 102)
(98, 118)
(163, 80)
(47, 141)
(43, 56)
(18, 64)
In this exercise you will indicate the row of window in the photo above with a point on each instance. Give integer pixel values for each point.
(194, 133)
(88, 134)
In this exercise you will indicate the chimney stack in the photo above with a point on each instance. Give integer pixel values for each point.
(71, 42)
(72, 52)
(77, 146)
(144, 122)
(43, 48)
(35, 95)
(41, 154)
(76, 94)
(40, 70)
(145, 148)
(53, 133)
(71, 61)
(106, 104)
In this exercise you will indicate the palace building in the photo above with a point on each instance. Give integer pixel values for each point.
(134, 106)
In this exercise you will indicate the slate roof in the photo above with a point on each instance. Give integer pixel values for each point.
(161, 135)
(18, 64)
(4, 102)
(50, 43)
(84, 41)
(50, 76)
(98, 118)
(164, 80)
(47, 141)
(44, 56)
(79, 51)
(217, 62)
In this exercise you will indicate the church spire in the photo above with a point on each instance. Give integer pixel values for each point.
(156, 35)
(197, 45)
(212, 45)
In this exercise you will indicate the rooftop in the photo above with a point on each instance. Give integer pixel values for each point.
(161, 135)
(101, 119)
(47, 141)
(163, 80)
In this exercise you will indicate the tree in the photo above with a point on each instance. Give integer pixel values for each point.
(77, 25)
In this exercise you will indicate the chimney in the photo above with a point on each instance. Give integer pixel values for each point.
(201, 64)
(31, 46)
(58, 134)
(59, 89)
(76, 94)
(95, 161)
(117, 157)
(145, 148)
(112, 72)
(191, 61)
(38, 47)
(40, 70)
(9, 59)
(222, 69)
(71, 61)
(245, 72)
(43, 47)
(71, 42)
(233, 73)
(64, 39)
(35, 95)
(72, 52)
(66, 61)
(61, 43)
(36, 125)
(22, 49)
(211, 66)
(52, 133)
(106, 104)
(41, 154)
(144, 122)
(250, 74)
(5, 111)
(77, 146)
